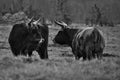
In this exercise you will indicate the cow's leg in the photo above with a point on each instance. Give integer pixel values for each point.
(76, 57)
(84, 55)
(29, 54)
(42, 51)
(15, 52)
(24, 52)
(89, 55)
(77, 54)
(93, 54)
(44, 54)
(99, 55)
(29, 58)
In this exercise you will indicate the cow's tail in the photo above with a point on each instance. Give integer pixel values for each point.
(98, 35)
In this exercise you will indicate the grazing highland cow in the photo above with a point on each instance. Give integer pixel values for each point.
(24, 38)
(87, 43)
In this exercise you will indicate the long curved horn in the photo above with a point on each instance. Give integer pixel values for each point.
(31, 19)
(61, 23)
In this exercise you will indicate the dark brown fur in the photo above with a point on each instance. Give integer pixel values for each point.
(23, 40)
(88, 43)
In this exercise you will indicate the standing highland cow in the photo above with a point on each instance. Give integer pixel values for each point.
(24, 38)
(87, 43)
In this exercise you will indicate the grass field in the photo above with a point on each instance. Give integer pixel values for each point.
(61, 64)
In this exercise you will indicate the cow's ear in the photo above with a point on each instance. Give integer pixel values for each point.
(62, 24)
(39, 22)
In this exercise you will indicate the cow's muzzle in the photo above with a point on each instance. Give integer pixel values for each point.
(38, 41)
(41, 40)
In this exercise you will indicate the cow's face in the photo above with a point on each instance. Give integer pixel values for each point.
(65, 35)
(35, 35)
(62, 37)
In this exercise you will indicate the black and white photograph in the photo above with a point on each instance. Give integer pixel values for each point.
(59, 39)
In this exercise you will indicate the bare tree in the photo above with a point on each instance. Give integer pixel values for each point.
(3, 11)
(21, 2)
(95, 15)
(63, 11)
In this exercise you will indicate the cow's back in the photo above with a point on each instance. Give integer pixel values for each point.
(18, 31)
(17, 36)
(88, 40)
(98, 39)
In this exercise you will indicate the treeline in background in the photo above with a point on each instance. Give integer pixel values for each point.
(67, 10)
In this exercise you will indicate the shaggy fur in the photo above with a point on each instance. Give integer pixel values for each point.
(24, 39)
(88, 43)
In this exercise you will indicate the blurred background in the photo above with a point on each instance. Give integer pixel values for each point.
(67, 10)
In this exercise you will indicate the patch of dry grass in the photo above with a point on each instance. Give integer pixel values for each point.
(61, 64)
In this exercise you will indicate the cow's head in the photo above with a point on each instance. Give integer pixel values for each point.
(34, 32)
(65, 35)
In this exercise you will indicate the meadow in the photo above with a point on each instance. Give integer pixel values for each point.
(61, 64)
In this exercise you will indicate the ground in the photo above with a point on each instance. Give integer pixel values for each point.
(61, 64)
